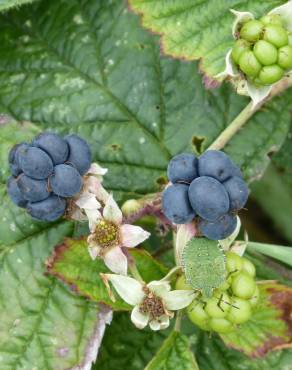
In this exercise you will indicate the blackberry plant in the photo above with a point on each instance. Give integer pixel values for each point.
(143, 197)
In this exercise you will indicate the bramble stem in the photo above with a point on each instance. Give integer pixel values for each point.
(178, 318)
(245, 115)
(232, 129)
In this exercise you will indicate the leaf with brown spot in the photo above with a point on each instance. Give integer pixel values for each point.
(71, 263)
(270, 326)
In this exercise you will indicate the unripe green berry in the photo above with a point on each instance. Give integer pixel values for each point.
(265, 52)
(243, 285)
(272, 19)
(181, 284)
(271, 74)
(276, 35)
(248, 267)
(240, 311)
(218, 306)
(285, 57)
(233, 263)
(249, 64)
(198, 316)
(221, 325)
(251, 31)
(239, 47)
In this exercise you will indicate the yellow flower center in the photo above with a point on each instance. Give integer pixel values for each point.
(152, 305)
(106, 234)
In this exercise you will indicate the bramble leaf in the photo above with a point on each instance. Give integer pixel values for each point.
(135, 108)
(7, 4)
(175, 353)
(270, 324)
(42, 324)
(72, 264)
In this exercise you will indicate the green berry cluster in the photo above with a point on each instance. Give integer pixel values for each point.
(263, 50)
(232, 303)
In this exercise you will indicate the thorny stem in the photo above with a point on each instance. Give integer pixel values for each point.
(246, 113)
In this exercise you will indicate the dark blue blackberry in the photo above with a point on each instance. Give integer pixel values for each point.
(79, 153)
(176, 205)
(208, 198)
(182, 168)
(54, 145)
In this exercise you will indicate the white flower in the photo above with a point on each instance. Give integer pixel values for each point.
(87, 204)
(153, 303)
(109, 235)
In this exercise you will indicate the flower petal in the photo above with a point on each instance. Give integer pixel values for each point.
(112, 212)
(96, 169)
(78, 215)
(133, 235)
(129, 289)
(93, 185)
(93, 216)
(93, 251)
(116, 261)
(87, 201)
(178, 299)
(184, 234)
(139, 319)
(159, 287)
(161, 323)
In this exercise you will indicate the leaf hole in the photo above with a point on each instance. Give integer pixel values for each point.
(197, 143)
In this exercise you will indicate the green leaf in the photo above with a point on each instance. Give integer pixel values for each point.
(89, 68)
(273, 194)
(269, 325)
(280, 253)
(204, 265)
(42, 324)
(126, 347)
(212, 354)
(174, 354)
(72, 264)
(7, 4)
(195, 29)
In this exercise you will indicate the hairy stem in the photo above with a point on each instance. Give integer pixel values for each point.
(245, 115)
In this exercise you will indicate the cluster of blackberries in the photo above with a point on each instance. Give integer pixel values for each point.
(46, 172)
(263, 50)
(209, 187)
(232, 303)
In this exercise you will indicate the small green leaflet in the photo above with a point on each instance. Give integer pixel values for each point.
(204, 265)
